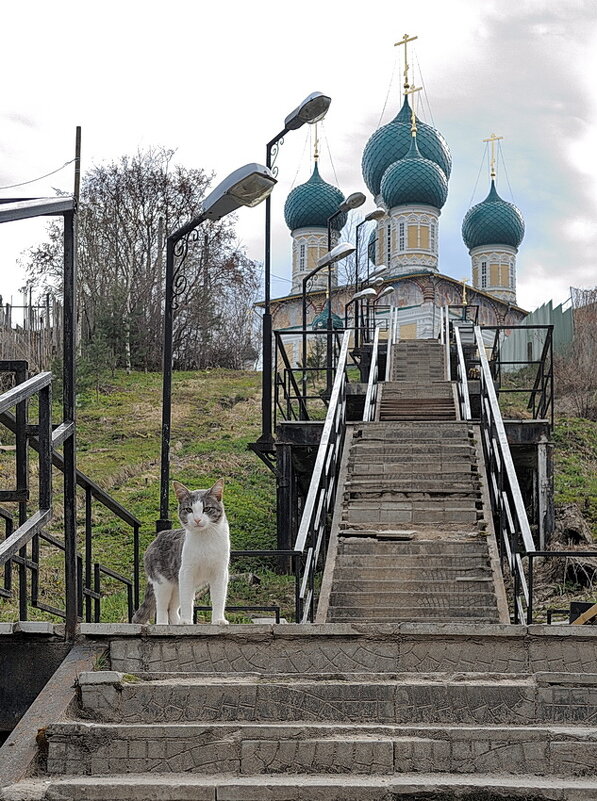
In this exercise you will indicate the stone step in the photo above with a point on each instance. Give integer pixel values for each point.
(314, 787)
(345, 648)
(87, 748)
(367, 516)
(452, 447)
(393, 492)
(400, 572)
(429, 471)
(423, 598)
(413, 614)
(424, 560)
(350, 698)
(430, 586)
(430, 547)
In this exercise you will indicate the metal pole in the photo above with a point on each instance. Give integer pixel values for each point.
(164, 523)
(68, 403)
(328, 350)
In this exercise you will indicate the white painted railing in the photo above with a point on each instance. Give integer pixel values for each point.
(373, 383)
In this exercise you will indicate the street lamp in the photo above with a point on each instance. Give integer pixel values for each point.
(311, 110)
(341, 250)
(247, 186)
(374, 215)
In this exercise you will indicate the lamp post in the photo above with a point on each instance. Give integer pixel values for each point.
(374, 215)
(311, 110)
(353, 201)
(247, 186)
(341, 250)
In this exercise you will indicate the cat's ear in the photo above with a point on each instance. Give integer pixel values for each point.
(180, 490)
(218, 489)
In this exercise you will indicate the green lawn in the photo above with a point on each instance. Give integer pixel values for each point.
(216, 413)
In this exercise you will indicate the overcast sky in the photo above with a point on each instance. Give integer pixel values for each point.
(215, 81)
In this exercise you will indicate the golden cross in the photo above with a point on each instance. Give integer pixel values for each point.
(413, 119)
(404, 41)
(493, 139)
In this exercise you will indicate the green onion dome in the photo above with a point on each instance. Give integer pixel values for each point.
(493, 222)
(414, 179)
(321, 321)
(391, 143)
(310, 204)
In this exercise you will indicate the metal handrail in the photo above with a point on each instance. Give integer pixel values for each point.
(504, 490)
(463, 393)
(313, 533)
(372, 384)
(446, 341)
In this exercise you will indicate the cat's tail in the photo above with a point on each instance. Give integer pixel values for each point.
(147, 608)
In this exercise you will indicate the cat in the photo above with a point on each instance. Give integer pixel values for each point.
(181, 561)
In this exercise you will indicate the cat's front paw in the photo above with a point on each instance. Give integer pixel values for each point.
(221, 622)
(185, 621)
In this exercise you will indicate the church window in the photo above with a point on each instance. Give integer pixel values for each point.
(302, 257)
(389, 241)
(512, 277)
(401, 238)
(483, 274)
(432, 235)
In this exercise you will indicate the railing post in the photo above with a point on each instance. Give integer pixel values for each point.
(530, 603)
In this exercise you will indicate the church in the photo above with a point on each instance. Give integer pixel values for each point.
(406, 166)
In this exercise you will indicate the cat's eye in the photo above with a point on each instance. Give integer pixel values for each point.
(209, 509)
(187, 509)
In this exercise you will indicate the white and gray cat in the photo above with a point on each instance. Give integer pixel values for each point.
(180, 562)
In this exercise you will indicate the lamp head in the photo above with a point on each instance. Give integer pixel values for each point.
(385, 292)
(312, 109)
(352, 201)
(376, 282)
(376, 214)
(341, 250)
(365, 293)
(247, 186)
(379, 270)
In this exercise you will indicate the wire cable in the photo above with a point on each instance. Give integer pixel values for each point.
(300, 164)
(424, 87)
(41, 177)
(501, 155)
(392, 74)
(327, 144)
(470, 203)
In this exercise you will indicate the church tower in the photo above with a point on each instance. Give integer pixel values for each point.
(413, 193)
(492, 231)
(306, 212)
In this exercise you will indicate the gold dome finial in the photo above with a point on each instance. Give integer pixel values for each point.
(404, 41)
(493, 139)
(413, 119)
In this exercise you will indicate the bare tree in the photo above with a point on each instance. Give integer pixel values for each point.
(575, 368)
(124, 207)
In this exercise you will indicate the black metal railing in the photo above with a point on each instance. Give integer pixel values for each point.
(512, 527)
(373, 382)
(83, 578)
(315, 525)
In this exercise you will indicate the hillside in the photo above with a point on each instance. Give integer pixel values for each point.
(216, 413)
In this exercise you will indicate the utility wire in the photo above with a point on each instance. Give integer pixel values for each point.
(392, 74)
(424, 87)
(327, 144)
(41, 177)
(501, 155)
(300, 164)
(470, 203)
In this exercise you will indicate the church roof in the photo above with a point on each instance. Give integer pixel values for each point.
(493, 222)
(391, 142)
(321, 320)
(414, 179)
(310, 204)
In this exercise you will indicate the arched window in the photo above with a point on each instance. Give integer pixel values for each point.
(302, 251)
(483, 275)
(401, 237)
(389, 241)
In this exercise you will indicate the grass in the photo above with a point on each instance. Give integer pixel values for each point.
(216, 413)
(575, 452)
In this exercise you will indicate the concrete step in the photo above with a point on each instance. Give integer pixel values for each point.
(369, 516)
(467, 698)
(431, 586)
(393, 492)
(100, 749)
(326, 648)
(413, 614)
(424, 598)
(424, 560)
(400, 573)
(315, 787)
(430, 547)
(349, 698)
